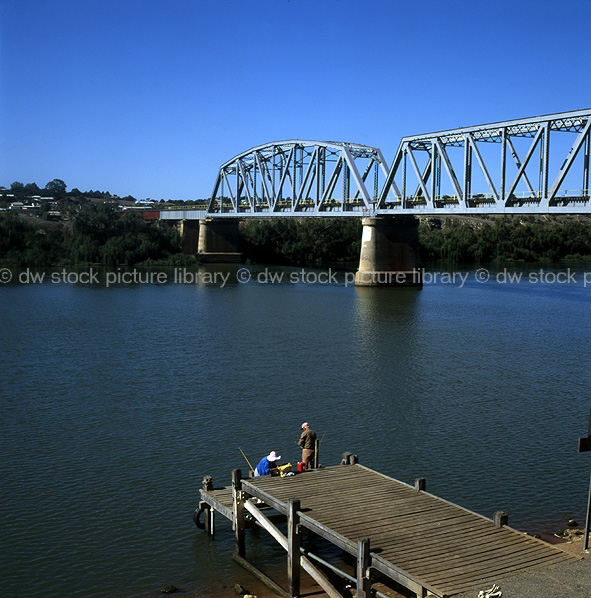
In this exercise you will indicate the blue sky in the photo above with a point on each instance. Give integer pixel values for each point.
(149, 97)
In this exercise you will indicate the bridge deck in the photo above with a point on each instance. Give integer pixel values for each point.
(417, 539)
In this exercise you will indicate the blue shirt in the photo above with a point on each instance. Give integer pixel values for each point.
(263, 467)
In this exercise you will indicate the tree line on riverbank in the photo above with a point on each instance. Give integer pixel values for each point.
(448, 240)
(506, 238)
(101, 233)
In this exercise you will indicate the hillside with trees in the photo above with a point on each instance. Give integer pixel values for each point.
(100, 233)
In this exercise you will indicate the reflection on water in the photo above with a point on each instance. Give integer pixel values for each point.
(116, 402)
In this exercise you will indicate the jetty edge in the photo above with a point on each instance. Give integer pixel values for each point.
(368, 515)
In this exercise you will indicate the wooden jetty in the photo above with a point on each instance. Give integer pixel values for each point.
(422, 542)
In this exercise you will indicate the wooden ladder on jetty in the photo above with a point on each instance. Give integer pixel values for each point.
(422, 542)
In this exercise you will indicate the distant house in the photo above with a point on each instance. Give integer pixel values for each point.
(150, 215)
(20, 206)
(148, 211)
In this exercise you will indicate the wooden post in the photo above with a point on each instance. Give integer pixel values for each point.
(210, 521)
(349, 459)
(208, 511)
(584, 446)
(238, 499)
(501, 518)
(316, 447)
(206, 522)
(587, 521)
(293, 548)
(363, 561)
(420, 484)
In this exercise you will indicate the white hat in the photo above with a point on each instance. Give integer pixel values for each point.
(304, 425)
(273, 456)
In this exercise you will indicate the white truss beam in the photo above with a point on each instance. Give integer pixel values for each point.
(355, 173)
(572, 154)
(474, 148)
(449, 169)
(419, 175)
(524, 164)
(518, 163)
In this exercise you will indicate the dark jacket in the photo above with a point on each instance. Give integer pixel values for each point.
(307, 439)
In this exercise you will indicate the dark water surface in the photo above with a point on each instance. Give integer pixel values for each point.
(116, 401)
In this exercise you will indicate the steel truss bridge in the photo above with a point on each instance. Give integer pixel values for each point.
(532, 165)
(299, 178)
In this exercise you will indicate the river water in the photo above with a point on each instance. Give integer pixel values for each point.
(118, 398)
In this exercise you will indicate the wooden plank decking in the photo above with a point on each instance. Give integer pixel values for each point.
(416, 538)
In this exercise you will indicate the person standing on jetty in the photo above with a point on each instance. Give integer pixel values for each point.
(268, 465)
(308, 443)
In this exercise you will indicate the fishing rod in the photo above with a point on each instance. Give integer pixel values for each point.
(251, 467)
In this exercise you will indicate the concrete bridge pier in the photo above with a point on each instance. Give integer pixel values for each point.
(389, 252)
(219, 241)
(189, 231)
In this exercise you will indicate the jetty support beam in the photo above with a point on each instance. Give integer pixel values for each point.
(238, 523)
(315, 573)
(389, 253)
(208, 510)
(293, 548)
(363, 570)
(210, 520)
(219, 241)
(272, 585)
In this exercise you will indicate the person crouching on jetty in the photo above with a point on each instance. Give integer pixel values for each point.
(268, 465)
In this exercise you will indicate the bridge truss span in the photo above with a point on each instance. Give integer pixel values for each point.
(300, 178)
(532, 165)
